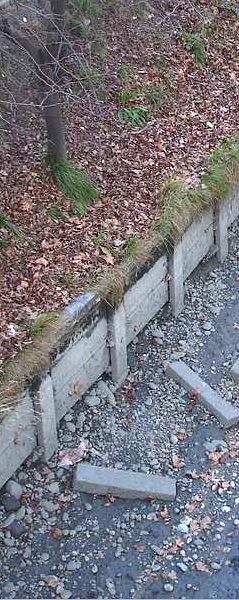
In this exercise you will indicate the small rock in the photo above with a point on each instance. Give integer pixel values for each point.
(216, 566)
(9, 588)
(226, 509)
(207, 326)
(104, 391)
(157, 332)
(70, 426)
(10, 503)
(177, 355)
(88, 506)
(92, 401)
(94, 569)
(182, 567)
(49, 506)
(148, 402)
(156, 567)
(17, 529)
(54, 487)
(45, 556)
(119, 465)
(110, 586)
(183, 528)
(80, 420)
(68, 417)
(173, 439)
(51, 580)
(159, 551)
(20, 513)
(62, 592)
(14, 489)
(168, 587)
(9, 520)
(73, 565)
(215, 445)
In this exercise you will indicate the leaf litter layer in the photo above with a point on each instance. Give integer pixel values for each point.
(190, 106)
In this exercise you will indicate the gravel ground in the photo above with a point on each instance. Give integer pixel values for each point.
(57, 544)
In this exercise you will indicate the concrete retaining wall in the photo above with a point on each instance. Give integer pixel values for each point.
(97, 338)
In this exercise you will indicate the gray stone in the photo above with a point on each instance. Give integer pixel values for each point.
(226, 413)
(182, 567)
(80, 420)
(17, 529)
(70, 426)
(49, 506)
(216, 566)
(168, 587)
(73, 565)
(125, 484)
(10, 503)
(215, 445)
(54, 487)
(91, 400)
(94, 569)
(14, 489)
(104, 392)
(45, 556)
(207, 326)
(20, 513)
(157, 550)
(9, 520)
(148, 402)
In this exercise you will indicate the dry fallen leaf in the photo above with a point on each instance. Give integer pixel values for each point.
(164, 514)
(56, 532)
(176, 462)
(109, 259)
(200, 566)
(76, 389)
(205, 522)
(139, 547)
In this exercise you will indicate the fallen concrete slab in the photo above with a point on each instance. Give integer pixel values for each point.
(227, 414)
(124, 484)
(235, 371)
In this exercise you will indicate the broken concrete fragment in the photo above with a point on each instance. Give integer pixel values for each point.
(235, 371)
(124, 484)
(226, 413)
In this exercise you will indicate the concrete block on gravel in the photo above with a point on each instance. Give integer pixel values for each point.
(226, 413)
(124, 484)
(235, 371)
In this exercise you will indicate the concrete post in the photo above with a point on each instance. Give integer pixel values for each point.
(46, 418)
(117, 343)
(221, 231)
(176, 287)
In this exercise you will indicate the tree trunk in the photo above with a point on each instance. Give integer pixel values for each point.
(56, 140)
(50, 58)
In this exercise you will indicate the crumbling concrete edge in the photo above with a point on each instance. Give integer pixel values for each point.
(97, 336)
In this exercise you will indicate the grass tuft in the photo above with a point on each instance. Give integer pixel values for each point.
(137, 115)
(74, 183)
(195, 44)
(222, 173)
(7, 225)
(39, 324)
(178, 204)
